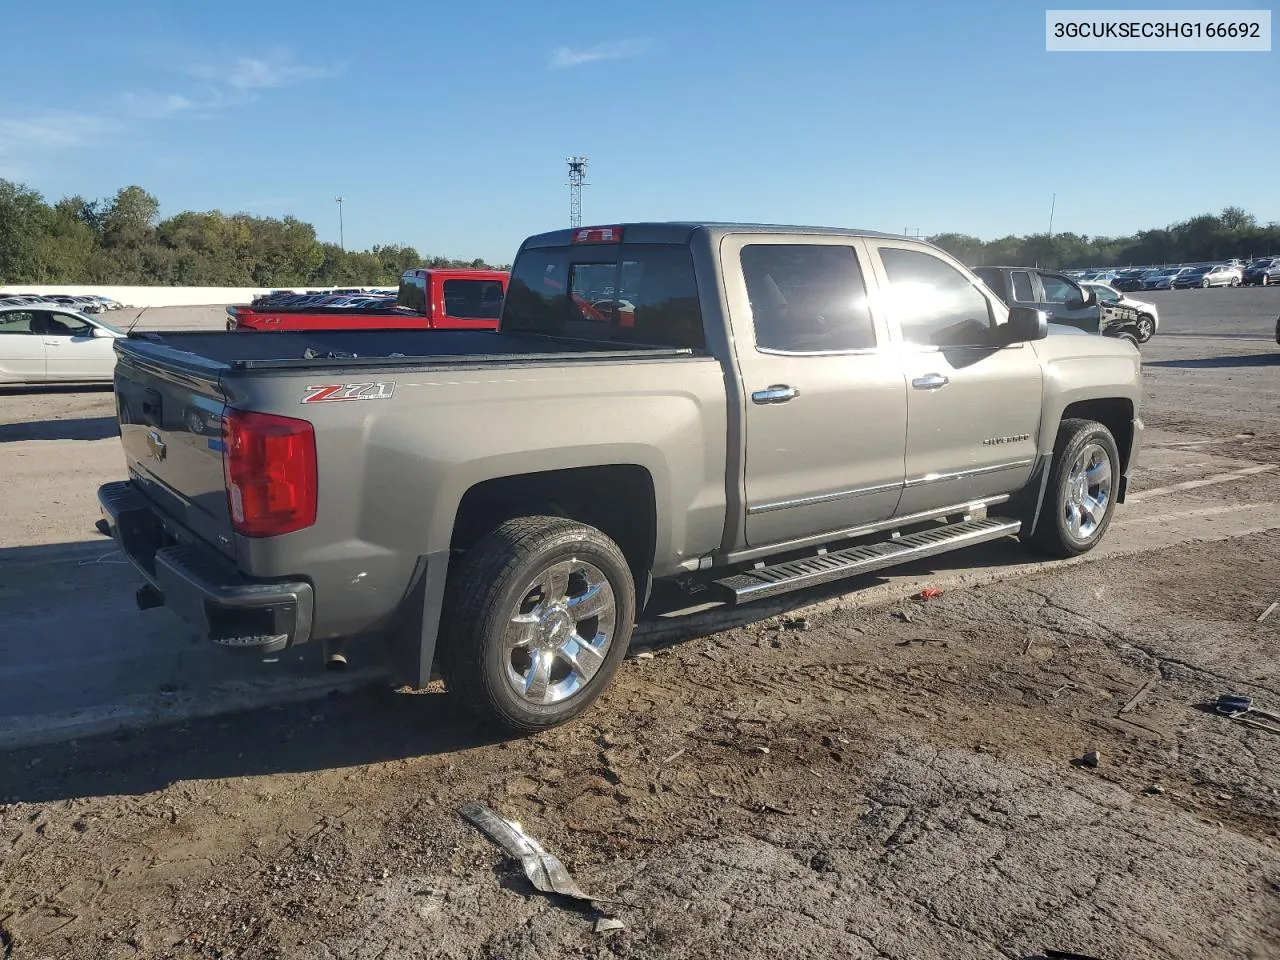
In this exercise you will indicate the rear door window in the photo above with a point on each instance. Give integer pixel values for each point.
(15, 321)
(473, 299)
(1022, 289)
(807, 298)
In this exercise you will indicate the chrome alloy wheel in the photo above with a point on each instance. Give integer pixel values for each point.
(1088, 491)
(560, 631)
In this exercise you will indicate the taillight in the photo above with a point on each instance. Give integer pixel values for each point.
(270, 468)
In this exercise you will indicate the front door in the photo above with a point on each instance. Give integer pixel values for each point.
(973, 408)
(21, 349)
(825, 407)
(73, 351)
(1057, 292)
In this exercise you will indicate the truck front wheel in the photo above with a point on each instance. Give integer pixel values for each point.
(537, 617)
(1080, 497)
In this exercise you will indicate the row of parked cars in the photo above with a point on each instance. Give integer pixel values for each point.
(85, 304)
(1262, 271)
(349, 299)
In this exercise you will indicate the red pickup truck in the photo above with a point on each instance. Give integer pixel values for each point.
(443, 299)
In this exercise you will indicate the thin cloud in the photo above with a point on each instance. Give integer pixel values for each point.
(148, 105)
(54, 131)
(563, 57)
(270, 71)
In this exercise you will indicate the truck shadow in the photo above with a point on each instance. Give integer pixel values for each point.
(356, 727)
(72, 428)
(1212, 363)
(342, 730)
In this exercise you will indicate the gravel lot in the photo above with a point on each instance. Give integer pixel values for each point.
(853, 775)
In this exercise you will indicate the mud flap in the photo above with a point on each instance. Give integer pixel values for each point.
(417, 625)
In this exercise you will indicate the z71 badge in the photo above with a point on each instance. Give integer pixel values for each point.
(333, 392)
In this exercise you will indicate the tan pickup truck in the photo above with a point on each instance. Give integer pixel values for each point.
(744, 410)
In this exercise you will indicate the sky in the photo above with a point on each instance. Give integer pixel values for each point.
(447, 126)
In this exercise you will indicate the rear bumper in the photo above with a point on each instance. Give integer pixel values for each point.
(195, 582)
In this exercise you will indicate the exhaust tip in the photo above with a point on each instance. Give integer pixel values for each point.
(336, 661)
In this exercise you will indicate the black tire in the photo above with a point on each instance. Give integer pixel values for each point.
(1146, 327)
(488, 583)
(1053, 535)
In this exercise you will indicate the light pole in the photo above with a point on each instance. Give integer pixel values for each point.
(341, 241)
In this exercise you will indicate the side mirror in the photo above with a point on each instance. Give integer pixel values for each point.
(1024, 324)
(101, 332)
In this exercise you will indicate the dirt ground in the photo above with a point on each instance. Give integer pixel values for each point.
(903, 780)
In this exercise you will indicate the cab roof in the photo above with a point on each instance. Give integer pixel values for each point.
(679, 231)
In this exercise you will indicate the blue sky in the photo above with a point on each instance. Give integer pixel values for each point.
(447, 125)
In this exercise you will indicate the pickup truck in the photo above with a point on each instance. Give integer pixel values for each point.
(1065, 301)
(435, 299)
(746, 410)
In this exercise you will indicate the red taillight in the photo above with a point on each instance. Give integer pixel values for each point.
(270, 468)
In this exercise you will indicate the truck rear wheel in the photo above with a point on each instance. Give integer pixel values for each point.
(537, 617)
(1080, 497)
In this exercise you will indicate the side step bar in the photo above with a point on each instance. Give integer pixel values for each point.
(811, 571)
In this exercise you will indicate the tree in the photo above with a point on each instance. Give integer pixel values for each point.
(130, 217)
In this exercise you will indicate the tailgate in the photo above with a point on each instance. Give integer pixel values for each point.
(171, 429)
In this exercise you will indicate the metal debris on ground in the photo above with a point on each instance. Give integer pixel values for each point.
(1241, 710)
(1267, 612)
(1091, 759)
(543, 869)
(799, 623)
(675, 756)
(609, 924)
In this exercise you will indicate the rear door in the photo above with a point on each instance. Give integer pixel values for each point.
(468, 302)
(21, 349)
(826, 410)
(973, 408)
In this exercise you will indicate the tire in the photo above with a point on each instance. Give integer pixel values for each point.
(534, 568)
(1079, 442)
(1146, 327)
(1205, 284)
(1130, 337)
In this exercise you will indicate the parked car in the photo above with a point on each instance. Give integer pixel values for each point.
(1162, 279)
(1263, 272)
(499, 504)
(50, 344)
(1213, 275)
(1063, 300)
(1148, 317)
(1127, 281)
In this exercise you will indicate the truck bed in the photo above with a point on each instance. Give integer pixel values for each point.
(301, 349)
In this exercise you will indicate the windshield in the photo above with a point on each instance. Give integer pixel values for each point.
(107, 326)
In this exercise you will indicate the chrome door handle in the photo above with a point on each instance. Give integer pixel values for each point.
(931, 381)
(778, 393)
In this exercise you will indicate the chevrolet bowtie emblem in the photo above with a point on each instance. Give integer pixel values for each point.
(155, 445)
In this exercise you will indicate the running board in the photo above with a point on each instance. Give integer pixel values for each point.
(811, 571)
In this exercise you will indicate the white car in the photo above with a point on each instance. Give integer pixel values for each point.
(1148, 317)
(53, 344)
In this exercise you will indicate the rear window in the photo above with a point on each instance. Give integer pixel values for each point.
(632, 292)
(413, 293)
(473, 299)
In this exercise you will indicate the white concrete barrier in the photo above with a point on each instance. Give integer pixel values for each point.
(155, 296)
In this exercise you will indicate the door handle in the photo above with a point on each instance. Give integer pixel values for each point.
(778, 393)
(930, 381)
